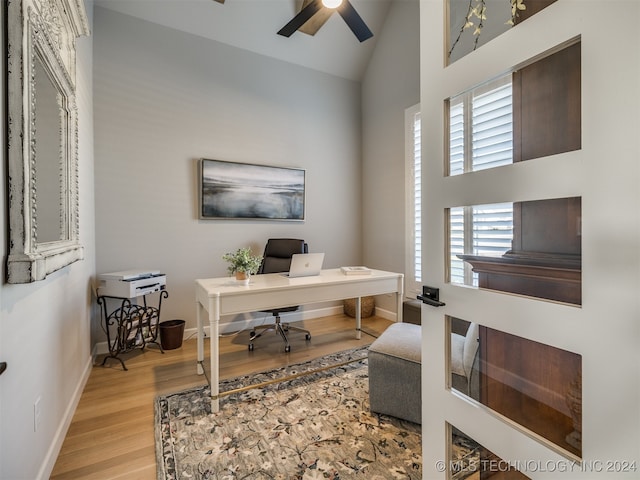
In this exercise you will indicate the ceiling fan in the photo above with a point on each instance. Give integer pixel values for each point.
(315, 13)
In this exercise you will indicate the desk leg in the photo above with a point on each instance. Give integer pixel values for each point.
(399, 299)
(200, 339)
(214, 326)
(358, 318)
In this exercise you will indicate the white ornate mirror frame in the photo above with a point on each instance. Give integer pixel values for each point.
(43, 136)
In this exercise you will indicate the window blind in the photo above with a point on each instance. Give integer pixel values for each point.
(457, 272)
(481, 128)
(492, 124)
(485, 230)
(456, 138)
(417, 196)
(413, 201)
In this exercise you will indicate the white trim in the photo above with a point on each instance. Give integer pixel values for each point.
(56, 445)
(386, 314)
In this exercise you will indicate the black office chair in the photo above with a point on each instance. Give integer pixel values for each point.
(277, 259)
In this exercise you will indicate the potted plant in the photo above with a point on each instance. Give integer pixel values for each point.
(242, 264)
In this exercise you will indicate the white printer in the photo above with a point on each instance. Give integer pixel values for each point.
(131, 283)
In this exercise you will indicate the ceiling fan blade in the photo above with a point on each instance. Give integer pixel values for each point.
(318, 20)
(301, 18)
(219, 1)
(354, 21)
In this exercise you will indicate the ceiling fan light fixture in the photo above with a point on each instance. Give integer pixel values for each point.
(343, 7)
(332, 3)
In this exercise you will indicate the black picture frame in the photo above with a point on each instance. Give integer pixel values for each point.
(233, 190)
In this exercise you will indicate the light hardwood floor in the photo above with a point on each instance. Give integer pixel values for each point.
(112, 435)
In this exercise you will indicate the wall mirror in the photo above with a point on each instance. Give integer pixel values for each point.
(42, 136)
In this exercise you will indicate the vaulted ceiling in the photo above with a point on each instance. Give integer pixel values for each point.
(253, 25)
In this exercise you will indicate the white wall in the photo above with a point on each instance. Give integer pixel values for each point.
(165, 98)
(45, 326)
(390, 85)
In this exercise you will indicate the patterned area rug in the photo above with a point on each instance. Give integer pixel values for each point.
(315, 426)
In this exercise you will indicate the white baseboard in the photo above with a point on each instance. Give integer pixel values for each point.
(386, 314)
(247, 321)
(58, 439)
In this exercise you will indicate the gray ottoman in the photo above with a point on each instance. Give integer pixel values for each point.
(394, 372)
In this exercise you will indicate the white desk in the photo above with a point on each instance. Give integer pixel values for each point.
(224, 296)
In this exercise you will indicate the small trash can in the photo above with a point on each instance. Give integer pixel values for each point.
(171, 333)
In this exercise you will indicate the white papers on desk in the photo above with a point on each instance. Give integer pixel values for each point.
(356, 270)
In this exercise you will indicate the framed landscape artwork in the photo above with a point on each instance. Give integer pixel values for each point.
(231, 190)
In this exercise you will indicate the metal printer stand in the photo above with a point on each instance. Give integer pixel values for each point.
(130, 326)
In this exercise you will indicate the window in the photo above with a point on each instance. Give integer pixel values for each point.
(480, 137)
(474, 23)
(485, 230)
(530, 113)
(505, 373)
(413, 267)
(481, 128)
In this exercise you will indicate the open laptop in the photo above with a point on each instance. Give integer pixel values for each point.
(305, 265)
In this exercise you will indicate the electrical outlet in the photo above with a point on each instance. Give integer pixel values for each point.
(36, 413)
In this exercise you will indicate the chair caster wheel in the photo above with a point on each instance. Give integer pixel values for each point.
(307, 337)
(251, 347)
(287, 349)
